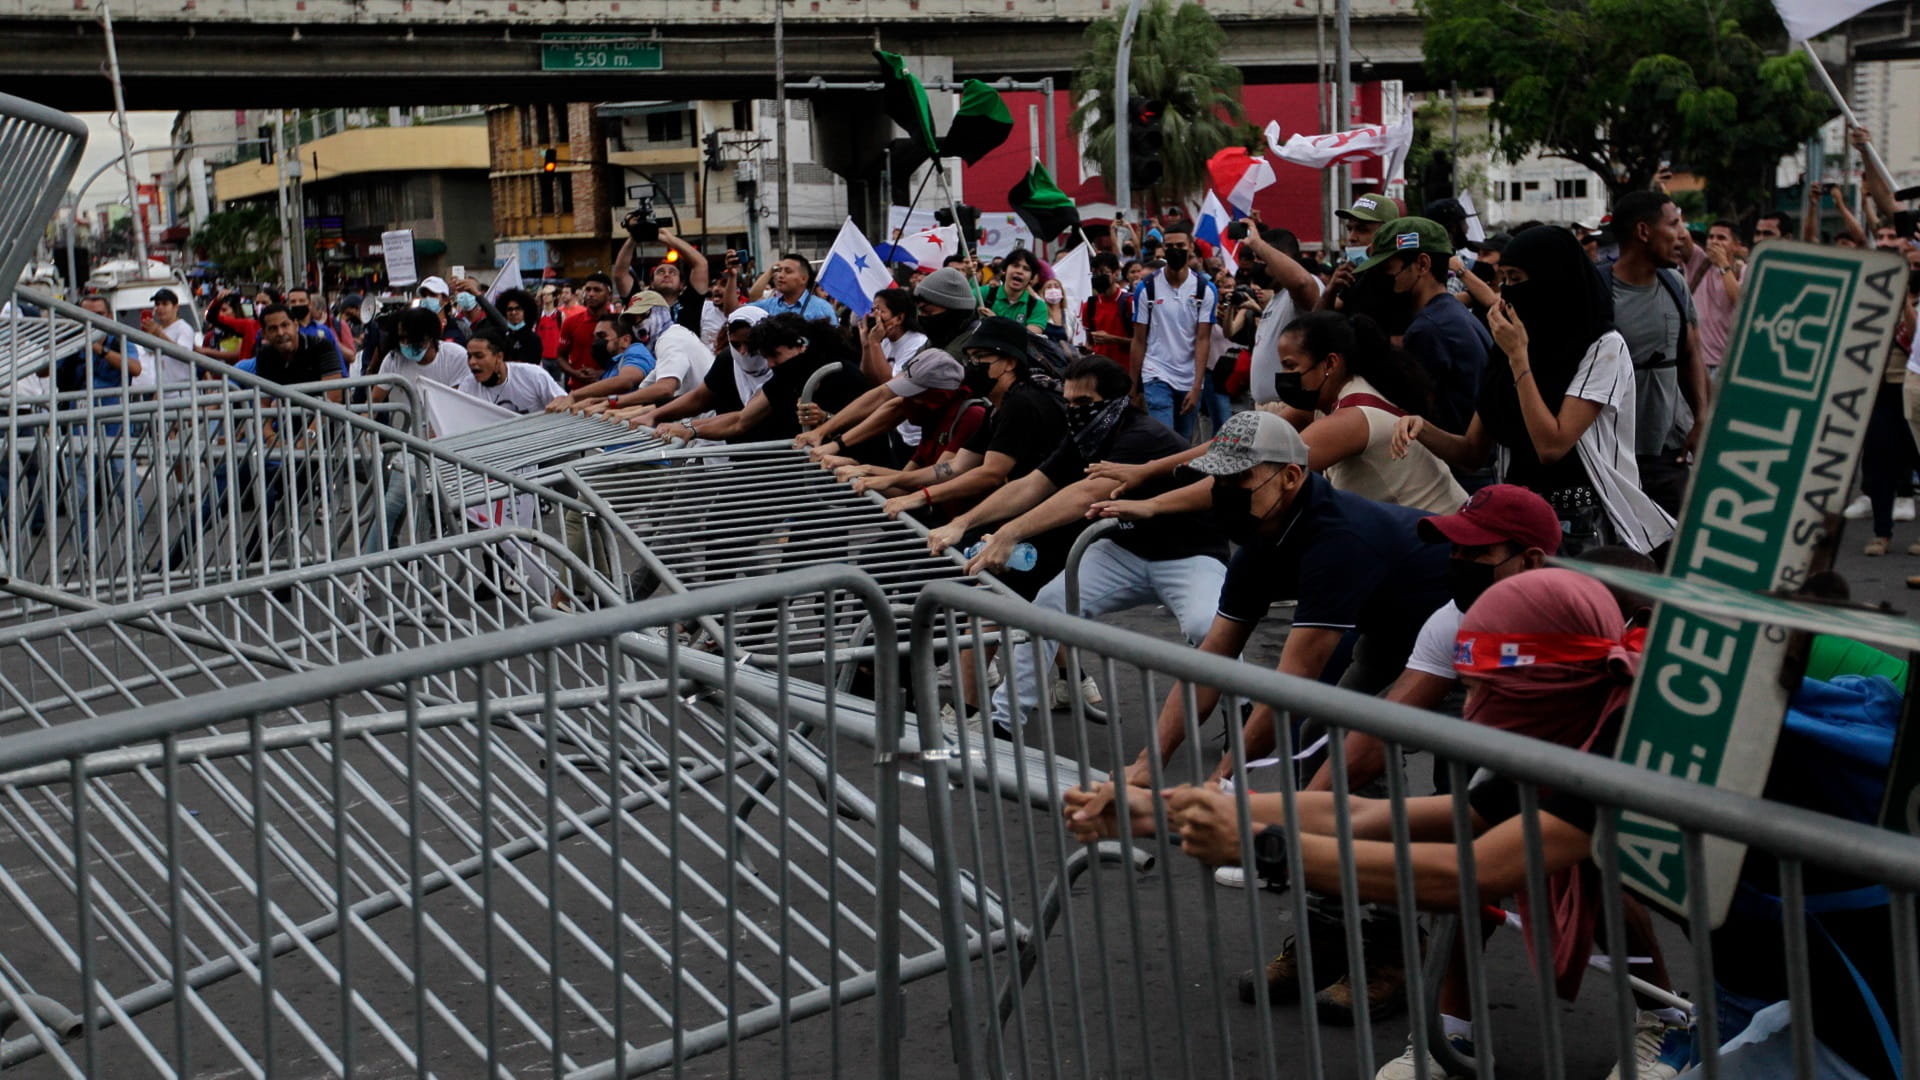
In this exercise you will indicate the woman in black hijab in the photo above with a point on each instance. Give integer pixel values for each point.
(1556, 397)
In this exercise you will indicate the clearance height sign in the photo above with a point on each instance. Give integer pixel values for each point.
(1804, 361)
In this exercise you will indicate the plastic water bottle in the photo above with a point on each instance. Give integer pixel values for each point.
(1024, 557)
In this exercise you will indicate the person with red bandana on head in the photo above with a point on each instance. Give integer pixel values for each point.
(1543, 655)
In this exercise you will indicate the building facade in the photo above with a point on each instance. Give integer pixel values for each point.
(556, 222)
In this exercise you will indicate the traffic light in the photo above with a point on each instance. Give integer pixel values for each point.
(265, 134)
(549, 159)
(712, 143)
(969, 221)
(1144, 141)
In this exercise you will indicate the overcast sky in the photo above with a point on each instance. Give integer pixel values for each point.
(103, 145)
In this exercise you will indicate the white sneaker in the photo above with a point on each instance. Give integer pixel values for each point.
(1232, 877)
(1090, 692)
(1660, 1049)
(1903, 509)
(1859, 509)
(1402, 1067)
(1058, 696)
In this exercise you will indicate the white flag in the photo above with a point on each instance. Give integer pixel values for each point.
(1075, 273)
(930, 247)
(1346, 147)
(450, 412)
(507, 278)
(1476, 232)
(854, 271)
(1808, 19)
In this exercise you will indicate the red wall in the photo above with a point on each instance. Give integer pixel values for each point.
(1293, 202)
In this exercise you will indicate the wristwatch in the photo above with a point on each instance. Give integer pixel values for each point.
(1270, 856)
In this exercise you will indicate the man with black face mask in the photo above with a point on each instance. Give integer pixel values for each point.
(1173, 316)
(1352, 565)
(523, 388)
(1178, 560)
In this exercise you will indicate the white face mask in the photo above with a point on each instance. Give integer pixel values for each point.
(1053, 296)
(749, 363)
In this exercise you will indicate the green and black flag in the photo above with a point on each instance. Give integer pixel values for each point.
(906, 101)
(981, 124)
(1042, 205)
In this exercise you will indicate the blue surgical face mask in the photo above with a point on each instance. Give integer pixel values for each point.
(431, 303)
(516, 327)
(466, 301)
(413, 353)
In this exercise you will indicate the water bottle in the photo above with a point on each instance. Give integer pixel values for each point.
(1024, 557)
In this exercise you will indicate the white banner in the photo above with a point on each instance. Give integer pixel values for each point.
(1390, 144)
(1807, 19)
(397, 246)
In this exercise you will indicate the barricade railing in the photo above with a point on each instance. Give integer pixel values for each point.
(39, 151)
(1138, 975)
(118, 494)
(532, 446)
(577, 864)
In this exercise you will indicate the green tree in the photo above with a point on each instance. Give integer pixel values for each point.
(240, 241)
(1621, 85)
(1176, 61)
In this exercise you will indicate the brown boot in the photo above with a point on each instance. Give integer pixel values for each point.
(1283, 973)
(1386, 995)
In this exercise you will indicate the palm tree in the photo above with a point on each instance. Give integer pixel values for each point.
(1176, 61)
(240, 241)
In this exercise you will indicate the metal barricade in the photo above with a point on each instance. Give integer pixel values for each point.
(1137, 978)
(117, 494)
(39, 151)
(551, 869)
(705, 515)
(532, 445)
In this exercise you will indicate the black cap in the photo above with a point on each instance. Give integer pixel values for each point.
(166, 295)
(1000, 336)
(1445, 210)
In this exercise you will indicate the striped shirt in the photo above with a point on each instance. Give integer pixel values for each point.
(1605, 377)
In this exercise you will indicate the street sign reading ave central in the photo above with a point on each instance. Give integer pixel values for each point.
(599, 52)
(1804, 360)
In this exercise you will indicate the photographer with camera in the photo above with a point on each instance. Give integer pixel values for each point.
(682, 278)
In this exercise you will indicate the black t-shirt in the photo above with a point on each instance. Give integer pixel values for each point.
(1136, 440)
(835, 392)
(1027, 426)
(1350, 562)
(313, 359)
(722, 393)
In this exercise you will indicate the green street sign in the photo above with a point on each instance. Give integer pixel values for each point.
(1804, 361)
(599, 52)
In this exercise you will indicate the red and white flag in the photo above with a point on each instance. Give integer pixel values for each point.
(1390, 144)
(1238, 176)
(1808, 19)
(930, 247)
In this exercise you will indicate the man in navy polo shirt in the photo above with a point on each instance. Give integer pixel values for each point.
(1350, 563)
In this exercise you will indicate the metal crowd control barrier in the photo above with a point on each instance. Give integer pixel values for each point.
(532, 445)
(120, 494)
(39, 151)
(1137, 977)
(704, 515)
(518, 852)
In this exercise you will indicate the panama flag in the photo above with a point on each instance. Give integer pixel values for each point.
(1212, 227)
(1808, 19)
(853, 272)
(1238, 176)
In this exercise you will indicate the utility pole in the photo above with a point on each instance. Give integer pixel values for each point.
(126, 143)
(1122, 83)
(1343, 105)
(780, 103)
(286, 223)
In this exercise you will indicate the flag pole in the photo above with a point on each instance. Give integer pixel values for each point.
(1869, 152)
(959, 228)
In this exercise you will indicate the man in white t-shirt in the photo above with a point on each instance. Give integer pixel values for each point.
(418, 355)
(522, 388)
(1173, 315)
(1274, 253)
(175, 375)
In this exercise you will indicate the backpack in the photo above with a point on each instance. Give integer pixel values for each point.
(1121, 302)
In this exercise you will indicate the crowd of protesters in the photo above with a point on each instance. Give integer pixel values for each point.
(1420, 429)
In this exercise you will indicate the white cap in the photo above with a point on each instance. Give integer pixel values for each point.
(1248, 439)
(437, 285)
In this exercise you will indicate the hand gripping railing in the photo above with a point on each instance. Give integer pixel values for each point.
(1136, 977)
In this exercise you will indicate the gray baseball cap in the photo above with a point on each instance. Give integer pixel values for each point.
(1251, 438)
(929, 369)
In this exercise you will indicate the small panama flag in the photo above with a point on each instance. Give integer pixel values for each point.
(1511, 656)
(853, 271)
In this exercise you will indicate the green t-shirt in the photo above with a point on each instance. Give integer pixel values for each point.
(1029, 308)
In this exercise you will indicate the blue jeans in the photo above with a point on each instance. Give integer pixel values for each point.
(1215, 403)
(1163, 404)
